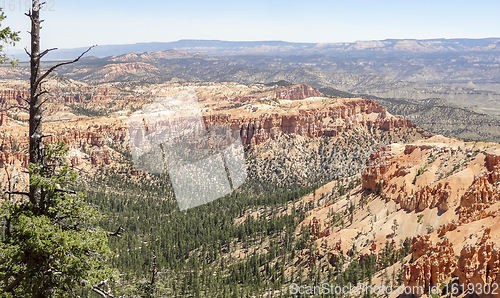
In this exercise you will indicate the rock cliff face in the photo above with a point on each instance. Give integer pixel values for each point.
(13, 97)
(7, 158)
(477, 266)
(457, 184)
(294, 110)
(295, 92)
(441, 193)
(4, 121)
(435, 174)
(480, 265)
(97, 136)
(478, 197)
(154, 56)
(68, 95)
(313, 118)
(433, 263)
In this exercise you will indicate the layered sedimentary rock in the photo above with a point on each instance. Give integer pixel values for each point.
(62, 92)
(479, 265)
(478, 197)
(13, 97)
(477, 268)
(8, 158)
(315, 118)
(98, 136)
(460, 180)
(4, 121)
(295, 92)
(296, 111)
(435, 174)
(433, 263)
(493, 167)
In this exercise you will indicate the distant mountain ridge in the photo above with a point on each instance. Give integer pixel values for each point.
(346, 49)
(418, 85)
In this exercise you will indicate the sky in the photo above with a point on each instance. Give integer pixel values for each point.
(71, 23)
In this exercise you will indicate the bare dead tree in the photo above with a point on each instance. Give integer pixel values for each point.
(29, 268)
(36, 100)
(154, 271)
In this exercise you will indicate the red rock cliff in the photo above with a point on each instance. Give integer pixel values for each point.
(480, 265)
(13, 97)
(433, 263)
(295, 92)
(313, 122)
(429, 175)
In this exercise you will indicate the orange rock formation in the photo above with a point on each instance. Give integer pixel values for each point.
(480, 265)
(433, 263)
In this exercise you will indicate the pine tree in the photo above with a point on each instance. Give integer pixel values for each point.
(54, 248)
(394, 227)
(52, 245)
(7, 36)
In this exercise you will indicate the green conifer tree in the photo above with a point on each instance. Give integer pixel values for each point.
(7, 36)
(54, 248)
(52, 245)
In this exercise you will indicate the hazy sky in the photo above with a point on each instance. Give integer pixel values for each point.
(72, 23)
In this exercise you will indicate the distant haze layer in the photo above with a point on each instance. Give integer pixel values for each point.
(282, 48)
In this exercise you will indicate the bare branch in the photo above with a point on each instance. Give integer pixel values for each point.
(25, 100)
(18, 107)
(29, 15)
(26, 50)
(17, 193)
(118, 232)
(46, 52)
(42, 77)
(41, 93)
(8, 178)
(15, 283)
(102, 293)
(14, 176)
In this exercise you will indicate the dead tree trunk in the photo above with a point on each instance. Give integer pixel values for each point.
(36, 101)
(35, 121)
